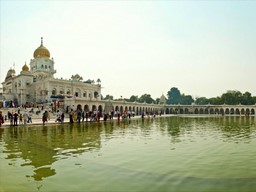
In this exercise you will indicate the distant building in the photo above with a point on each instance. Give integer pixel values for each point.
(162, 100)
(38, 87)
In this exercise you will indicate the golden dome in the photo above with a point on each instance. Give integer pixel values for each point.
(41, 51)
(25, 68)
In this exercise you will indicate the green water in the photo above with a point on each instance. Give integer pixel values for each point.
(161, 154)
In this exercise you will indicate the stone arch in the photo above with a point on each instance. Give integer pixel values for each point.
(196, 111)
(133, 109)
(62, 91)
(232, 111)
(94, 108)
(186, 111)
(217, 111)
(121, 109)
(79, 107)
(227, 111)
(222, 111)
(201, 111)
(54, 91)
(247, 111)
(252, 111)
(86, 108)
(100, 108)
(211, 111)
(181, 111)
(167, 111)
(242, 111)
(237, 112)
(78, 92)
(206, 111)
(116, 108)
(95, 94)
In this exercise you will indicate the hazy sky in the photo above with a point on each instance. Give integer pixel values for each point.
(203, 48)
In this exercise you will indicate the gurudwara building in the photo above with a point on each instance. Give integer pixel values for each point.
(35, 85)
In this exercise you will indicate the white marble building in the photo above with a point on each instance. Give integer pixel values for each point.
(36, 85)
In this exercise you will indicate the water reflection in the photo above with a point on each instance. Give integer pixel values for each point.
(231, 128)
(41, 146)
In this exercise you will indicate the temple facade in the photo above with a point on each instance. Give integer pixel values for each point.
(36, 85)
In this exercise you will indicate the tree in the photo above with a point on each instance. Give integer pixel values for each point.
(109, 97)
(232, 97)
(134, 98)
(247, 99)
(215, 101)
(146, 98)
(202, 101)
(173, 96)
(186, 99)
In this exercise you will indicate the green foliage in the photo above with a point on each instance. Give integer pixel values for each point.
(175, 97)
(231, 97)
(109, 97)
(201, 101)
(134, 98)
(146, 98)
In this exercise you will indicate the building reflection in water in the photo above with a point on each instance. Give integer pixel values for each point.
(41, 146)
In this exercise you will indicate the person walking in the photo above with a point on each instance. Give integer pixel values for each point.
(62, 117)
(1, 118)
(20, 118)
(71, 116)
(44, 118)
(25, 117)
(15, 118)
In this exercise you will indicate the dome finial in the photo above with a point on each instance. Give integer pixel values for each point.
(41, 40)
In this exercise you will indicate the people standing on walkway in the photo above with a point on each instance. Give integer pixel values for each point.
(71, 116)
(112, 114)
(79, 115)
(11, 118)
(25, 117)
(58, 119)
(86, 116)
(118, 115)
(142, 115)
(15, 118)
(62, 117)
(20, 118)
(83, 116)
(44, 118)
(1, 118)
(30, 117)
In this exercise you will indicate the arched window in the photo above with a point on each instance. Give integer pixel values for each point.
(54, 91)
(62, 91)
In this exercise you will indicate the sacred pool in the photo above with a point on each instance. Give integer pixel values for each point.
(176, 153)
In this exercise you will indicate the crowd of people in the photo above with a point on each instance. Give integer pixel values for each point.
(16, 117)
